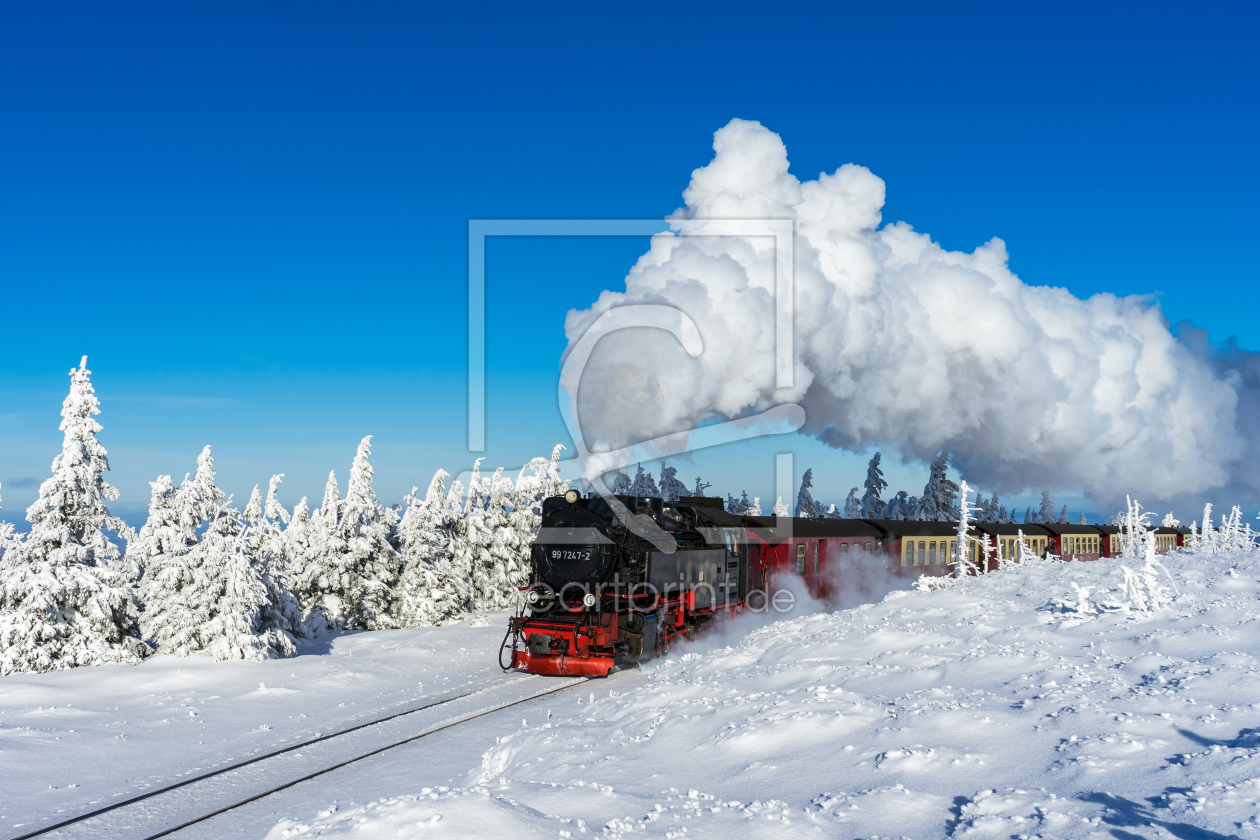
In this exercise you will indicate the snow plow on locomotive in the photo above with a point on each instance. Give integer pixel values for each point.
(618, 579)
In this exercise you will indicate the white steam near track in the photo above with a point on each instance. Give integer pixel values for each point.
(900, 342)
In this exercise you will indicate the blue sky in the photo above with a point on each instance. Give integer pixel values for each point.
(253, 218)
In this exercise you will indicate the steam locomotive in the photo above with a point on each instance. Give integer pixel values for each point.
(617, 579)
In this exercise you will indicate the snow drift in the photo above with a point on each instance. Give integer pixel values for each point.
(902, 342)
(1008, 705)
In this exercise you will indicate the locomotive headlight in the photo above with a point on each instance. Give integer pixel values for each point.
(572, 496)
(532, 597)
(588, 600)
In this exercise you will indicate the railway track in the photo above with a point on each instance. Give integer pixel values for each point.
(547, 686)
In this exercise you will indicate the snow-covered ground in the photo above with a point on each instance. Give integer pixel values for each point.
(1006, 706)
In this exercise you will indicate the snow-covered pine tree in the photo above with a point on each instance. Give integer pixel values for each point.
(900, 506)
(1170, 521)
(831, 513)
(298, 544)
(460, 580)
(177, 593)
(269, 553)
(319, 576)
(63, 602)
(161, 552)
(1063, 516)
(1082, 521)
(429, 592)
(620, 484)
(1046, 514)
(806, 507)
(738, 506)
(211, 598)
(1028, 517)
(549, 476)
(496, 588)
(852, 507)
(644, 485)
(938, 502)
(475, 544)
(780, 509)
(755, 508)
(228, 598)
(671, 488)
(166, 534)
(872, 499)
(359, 566)
(9, 538)
(701, 487)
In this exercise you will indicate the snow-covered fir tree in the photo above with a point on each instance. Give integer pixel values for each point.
(177, 593)
(63, 602)
(939, 500)
(1063, 516)
(349, 585)
(1028, 516)
(831, 513)
(269, 554)
(671, 488)
(473, 550)
(755, 508)
(780, 509)
(229, 596)
(429, 592)
(495, 585)
(209, 597)
(161, 553)
(644, 485)
(852, 507)
(701, 487)
(165, 535)
(299, 544)
(461, 551)
(1046, 514)
(9, 538)
(739, 506)
(872, 499)
(901, 506)
(620, 484)
(805, 504)
(1082, 521)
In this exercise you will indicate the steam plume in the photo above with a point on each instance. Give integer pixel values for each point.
(898, 341)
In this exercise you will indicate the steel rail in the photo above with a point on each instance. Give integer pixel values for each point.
(430, 731)
(440, 700)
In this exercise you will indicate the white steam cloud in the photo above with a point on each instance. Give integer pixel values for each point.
(900, 342)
